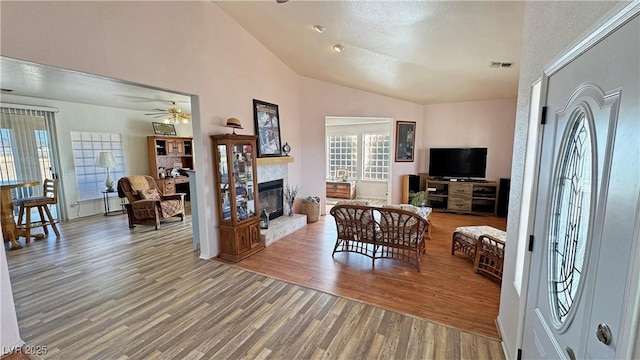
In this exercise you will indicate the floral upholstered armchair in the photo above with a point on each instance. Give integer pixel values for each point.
(147, 205)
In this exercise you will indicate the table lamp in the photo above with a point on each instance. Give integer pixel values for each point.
(106, 160)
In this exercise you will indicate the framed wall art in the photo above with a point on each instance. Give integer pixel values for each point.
(267, 121)
(405, 140)
(163, 129)
(342, 174)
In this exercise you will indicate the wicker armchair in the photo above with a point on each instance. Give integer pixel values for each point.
(489, 256)
(147, 205)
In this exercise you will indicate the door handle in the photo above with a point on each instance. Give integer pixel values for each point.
(603, 332)
(572, 355)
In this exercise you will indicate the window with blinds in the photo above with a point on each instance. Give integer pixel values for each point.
(86, 146)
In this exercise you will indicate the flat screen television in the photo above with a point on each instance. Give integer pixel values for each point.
(458, 162)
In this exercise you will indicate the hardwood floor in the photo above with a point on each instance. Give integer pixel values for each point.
(103, 291)
(447, 290)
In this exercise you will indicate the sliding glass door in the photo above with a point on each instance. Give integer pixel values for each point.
(28, 151)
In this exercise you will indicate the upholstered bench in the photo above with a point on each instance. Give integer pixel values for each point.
(484, 245)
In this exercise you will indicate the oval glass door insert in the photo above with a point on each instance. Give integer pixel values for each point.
(570, 216)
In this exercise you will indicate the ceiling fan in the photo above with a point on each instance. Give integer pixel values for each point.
(172, 115)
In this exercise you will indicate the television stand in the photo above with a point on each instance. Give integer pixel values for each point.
(466, 196)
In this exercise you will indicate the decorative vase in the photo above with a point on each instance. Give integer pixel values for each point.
(290, 208)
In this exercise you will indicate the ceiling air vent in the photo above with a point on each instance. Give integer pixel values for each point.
(500, 65)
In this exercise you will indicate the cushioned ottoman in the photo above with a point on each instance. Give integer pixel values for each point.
(484, 245)
(465, 238)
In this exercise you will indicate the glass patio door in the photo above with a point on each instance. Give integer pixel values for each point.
(27, 151)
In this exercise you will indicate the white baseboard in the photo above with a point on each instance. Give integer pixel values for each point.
(504, 346)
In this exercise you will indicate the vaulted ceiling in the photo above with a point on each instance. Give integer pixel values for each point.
(422, 51)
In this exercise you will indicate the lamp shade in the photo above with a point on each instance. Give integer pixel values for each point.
(105, 159)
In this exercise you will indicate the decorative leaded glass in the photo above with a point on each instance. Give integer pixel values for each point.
(570, 215)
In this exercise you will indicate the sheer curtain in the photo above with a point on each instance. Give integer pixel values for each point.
(26, 148)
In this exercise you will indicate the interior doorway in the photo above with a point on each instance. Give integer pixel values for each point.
(358, 152)
(112, 106)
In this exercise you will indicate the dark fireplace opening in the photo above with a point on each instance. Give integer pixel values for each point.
(271, 198)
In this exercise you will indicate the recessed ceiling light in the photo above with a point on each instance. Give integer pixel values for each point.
(338, 48)
(319, 28)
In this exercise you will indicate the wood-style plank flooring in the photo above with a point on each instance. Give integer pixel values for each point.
(446, 291)
(103, 291)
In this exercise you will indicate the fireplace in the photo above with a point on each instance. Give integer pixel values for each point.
(271, 198)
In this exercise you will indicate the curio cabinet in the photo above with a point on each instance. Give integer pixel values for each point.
(237, 193)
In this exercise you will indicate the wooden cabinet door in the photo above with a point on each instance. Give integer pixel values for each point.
(175, 147)
(254, 235)
(243, 239)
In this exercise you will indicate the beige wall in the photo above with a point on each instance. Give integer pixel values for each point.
(320, 99)
(9, 332)
(208, 55)
(487, 124)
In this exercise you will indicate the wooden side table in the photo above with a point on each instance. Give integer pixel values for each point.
(10, 232)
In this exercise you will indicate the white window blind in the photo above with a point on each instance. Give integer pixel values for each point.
(86, 146)
(343, 154)
(375, 156)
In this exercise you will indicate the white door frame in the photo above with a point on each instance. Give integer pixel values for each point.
(631, 304)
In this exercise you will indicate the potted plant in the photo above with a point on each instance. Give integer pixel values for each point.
(419, 198)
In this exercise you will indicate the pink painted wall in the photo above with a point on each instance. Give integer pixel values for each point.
(320, 99)
(489, 124)
(189, 46)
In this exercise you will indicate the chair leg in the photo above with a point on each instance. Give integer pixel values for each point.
(453, 244)
(27, 230)
(45, 228)
(20, 214)
(51, 222)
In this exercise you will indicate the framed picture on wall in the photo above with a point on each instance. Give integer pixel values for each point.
(163, 129)
(267, 120)
(405, 140)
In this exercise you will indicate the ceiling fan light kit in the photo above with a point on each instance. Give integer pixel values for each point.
(172, 115)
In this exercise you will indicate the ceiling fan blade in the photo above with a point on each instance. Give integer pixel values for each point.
(157, 113)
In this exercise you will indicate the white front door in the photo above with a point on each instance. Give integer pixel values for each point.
(587, 203)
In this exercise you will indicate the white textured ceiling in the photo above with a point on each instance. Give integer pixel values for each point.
(421, 51)
(48, 82)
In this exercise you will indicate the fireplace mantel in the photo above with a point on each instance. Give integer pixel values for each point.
(274, 160)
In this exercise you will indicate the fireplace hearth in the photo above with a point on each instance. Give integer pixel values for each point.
(271, 198)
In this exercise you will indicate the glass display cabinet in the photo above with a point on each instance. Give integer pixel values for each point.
(237, 187)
